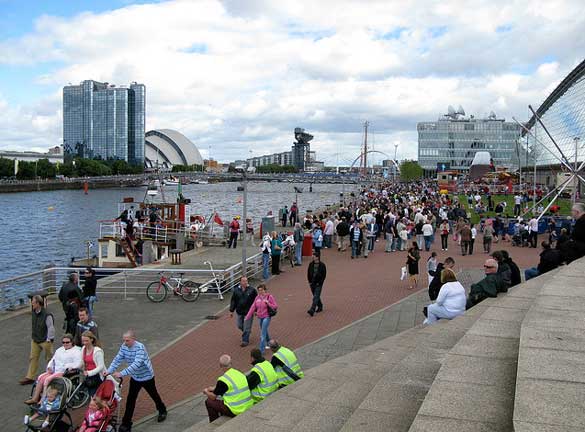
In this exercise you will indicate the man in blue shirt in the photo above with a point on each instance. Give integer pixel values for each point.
(139, 369)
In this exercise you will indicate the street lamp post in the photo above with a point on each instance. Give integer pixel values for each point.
(245, 217)
(395, 162)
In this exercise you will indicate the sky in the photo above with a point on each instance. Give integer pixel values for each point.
(237, 76)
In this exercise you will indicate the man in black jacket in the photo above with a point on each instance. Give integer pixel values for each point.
(316, 274)
(342, 233)
(70, 290)
(243, 297)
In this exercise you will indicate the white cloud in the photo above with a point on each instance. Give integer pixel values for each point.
(240, 75)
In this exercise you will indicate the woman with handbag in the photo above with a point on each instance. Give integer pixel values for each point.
(93, 361)
(265, 308)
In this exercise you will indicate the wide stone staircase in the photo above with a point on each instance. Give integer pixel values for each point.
(512, 363)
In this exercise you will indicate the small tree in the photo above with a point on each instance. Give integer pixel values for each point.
(46, 169)
(410, 170)
(6, 167)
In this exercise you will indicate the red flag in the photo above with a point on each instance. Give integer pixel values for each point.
(217, 219)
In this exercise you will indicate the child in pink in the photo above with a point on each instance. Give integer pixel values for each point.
(94, 416)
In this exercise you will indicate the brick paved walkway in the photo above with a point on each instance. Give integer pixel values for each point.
(353, 289)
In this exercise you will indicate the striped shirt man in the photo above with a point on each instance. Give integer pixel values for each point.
(137, 359)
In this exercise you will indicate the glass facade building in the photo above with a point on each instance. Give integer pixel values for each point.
(454, 139)
(563, 115)
(104, 121)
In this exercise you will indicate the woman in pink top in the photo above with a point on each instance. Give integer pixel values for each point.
(260, 308)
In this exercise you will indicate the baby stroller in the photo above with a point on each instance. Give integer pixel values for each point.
(108, 391)
(59, 420)
(520, 239)
(288, 247)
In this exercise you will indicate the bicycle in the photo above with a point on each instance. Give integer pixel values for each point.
(158, 291)
(215, 284)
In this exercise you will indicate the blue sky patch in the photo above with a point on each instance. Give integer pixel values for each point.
(437, 32)
(198, 48)
(18, 17)
(395, 33)
(504, 28)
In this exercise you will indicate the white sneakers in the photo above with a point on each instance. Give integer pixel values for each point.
(44, 425)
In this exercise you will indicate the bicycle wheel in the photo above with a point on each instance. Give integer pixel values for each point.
(190, 291)
(156, 292)
(80, 398)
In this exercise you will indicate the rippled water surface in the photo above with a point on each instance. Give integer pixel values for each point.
(50, 227)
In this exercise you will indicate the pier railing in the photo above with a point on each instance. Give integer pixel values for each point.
(127, 283)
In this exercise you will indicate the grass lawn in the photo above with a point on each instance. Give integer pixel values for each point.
(564, 203)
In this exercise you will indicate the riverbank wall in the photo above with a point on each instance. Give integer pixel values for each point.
(53, 185)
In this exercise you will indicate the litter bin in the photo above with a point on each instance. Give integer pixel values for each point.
(267, 225)
(308, 245)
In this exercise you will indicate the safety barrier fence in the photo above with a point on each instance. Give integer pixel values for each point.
(127, 283)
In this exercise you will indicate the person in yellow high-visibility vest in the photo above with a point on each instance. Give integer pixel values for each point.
(262, 378)
(232, 388)
(285, 363)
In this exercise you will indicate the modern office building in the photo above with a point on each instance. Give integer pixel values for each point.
(284, 158)
(454, 138)
(563, 116)
(103, 121)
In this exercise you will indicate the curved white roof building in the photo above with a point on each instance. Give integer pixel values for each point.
(169, 148)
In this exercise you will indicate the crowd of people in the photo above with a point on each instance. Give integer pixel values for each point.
(408, 220)
(81, 353)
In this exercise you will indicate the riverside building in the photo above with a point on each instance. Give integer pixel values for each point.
(103, 121)
(453, 140)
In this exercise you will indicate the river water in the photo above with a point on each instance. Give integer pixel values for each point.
(42, 228)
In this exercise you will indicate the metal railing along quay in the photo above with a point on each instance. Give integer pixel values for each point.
(127, 283)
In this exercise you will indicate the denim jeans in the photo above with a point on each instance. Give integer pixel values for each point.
(89, 301)
(371, 243)
(420, 239)
(299, 253)
(355, 248)
(264, 336)
(245, 326)
(389, 242)
(530, 273)
(428, 242)
(327, 240)
(316, 291)
(265, 265)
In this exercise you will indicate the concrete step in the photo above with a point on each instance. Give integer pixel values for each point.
(325, 398)
(329, 395)
(474, 388)
(205, 426)
(395, 399)
(550, 382)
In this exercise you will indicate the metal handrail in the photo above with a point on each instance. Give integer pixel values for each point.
(14, 291)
